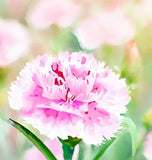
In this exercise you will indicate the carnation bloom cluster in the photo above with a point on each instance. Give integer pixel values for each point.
(70, 95)
(13, 41)
(148, 147)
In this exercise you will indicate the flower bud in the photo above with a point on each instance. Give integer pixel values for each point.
(132, 52)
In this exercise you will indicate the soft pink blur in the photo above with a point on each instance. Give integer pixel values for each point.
(14, 41)
(47, 12)
(16, 7)
(148, 147)
(145, 11)
(54, 145)
(108, 27)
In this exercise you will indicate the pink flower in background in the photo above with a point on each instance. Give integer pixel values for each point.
(145, 10)
(70, 95)
(48, 12)
(148, 147)
(13, 41)
(54, 145)
(16, 7)
(108, 27)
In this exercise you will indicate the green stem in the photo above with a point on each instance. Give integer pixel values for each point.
(68, 152)
(68, 146)
(35, 140)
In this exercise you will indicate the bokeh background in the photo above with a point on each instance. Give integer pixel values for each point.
(118, 32)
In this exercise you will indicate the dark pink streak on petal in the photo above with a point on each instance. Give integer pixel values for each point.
(55, 68)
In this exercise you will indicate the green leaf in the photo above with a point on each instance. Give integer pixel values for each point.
(107, 144)
(64, 39)
(104, 147)
(129, 124)
(35, 140)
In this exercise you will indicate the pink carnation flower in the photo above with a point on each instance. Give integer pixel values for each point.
(108, 27)
(148, 147)
(54, 145)
(47, 12)
(70, 95)
(13, 41)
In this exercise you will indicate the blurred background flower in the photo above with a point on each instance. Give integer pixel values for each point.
(148, 146)
(14, 41)
(59, 12)
(108, 27)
